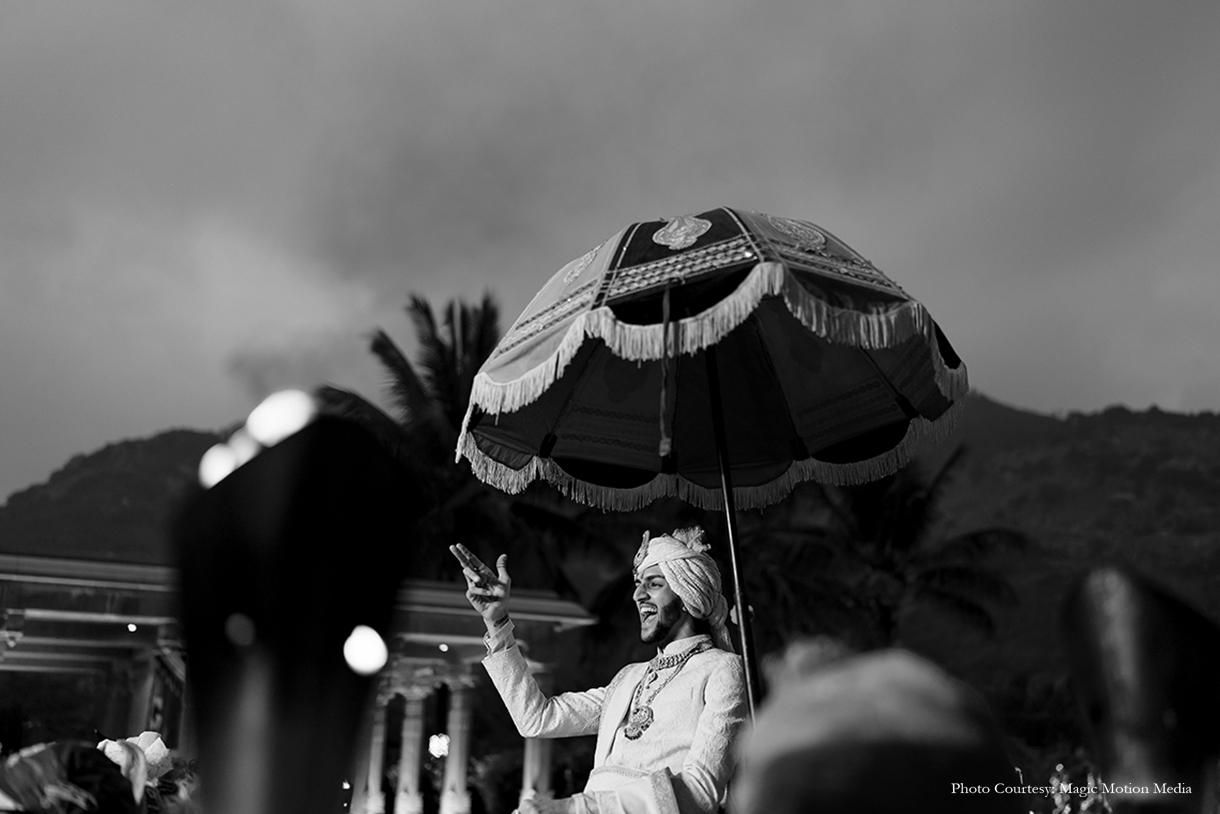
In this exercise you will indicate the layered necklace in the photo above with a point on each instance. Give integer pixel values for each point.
(641, 715)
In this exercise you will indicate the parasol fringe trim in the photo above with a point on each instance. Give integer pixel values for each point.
(514, 481)
(633, 342)
(494, 473)
(919, 432)
(609, 498)
(878, 330)
(463, 440)
(953, 383)
(844, 326)
(694, 334)
(496, 397)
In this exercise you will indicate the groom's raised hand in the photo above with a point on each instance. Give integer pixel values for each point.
(487, 590)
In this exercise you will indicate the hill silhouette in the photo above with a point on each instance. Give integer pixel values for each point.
(1115, 487)
(111, 505)
(1136, 488)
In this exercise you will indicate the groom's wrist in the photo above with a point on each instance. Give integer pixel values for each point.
(499, 634)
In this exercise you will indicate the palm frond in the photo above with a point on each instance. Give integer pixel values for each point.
(575, 531)
(449, 384)
(968, 580)
(910, 514)
(452, 352)
(766, 579)
(947, 469)
(463, 496)
(965, 610)
(843, 507)
(933, 490)
(479, 331)
(435, 354)
(409, 394)
(486, 332)
(798, 539)
(981, 542)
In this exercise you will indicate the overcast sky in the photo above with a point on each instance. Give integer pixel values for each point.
(203, 202)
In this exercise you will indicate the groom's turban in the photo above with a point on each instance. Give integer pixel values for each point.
(691, 574)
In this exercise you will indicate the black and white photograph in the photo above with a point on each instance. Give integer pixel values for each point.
(536, 407)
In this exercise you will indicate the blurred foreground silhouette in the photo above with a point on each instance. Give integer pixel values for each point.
(281, 561)
(1147, 668)
(885, 731)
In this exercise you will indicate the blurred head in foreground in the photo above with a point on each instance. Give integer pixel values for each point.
(885, 731)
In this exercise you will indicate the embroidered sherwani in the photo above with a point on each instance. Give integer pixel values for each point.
(697, 715)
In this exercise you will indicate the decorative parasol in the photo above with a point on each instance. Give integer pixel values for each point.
(721, 358)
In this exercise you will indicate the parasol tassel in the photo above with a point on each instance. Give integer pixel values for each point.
(667, 442)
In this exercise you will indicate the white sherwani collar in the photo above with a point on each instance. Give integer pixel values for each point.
(682, 645)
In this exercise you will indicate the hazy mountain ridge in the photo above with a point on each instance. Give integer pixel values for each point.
(1136, 488)
(113, 504)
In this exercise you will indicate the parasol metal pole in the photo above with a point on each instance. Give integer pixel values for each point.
(746, 636)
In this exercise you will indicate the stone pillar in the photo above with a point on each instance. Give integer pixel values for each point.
(536, 769)
(118, 700)
(367, 797)
(358, 774)
(408, 798)
(186, 722)
(536, 766)
(141, 683)
(455, 798)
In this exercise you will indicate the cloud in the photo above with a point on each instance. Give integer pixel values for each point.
(134, 326)
(198, 203)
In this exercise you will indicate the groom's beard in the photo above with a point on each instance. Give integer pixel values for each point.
(658, 628)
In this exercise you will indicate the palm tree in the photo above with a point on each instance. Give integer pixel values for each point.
(429, 404)
(856, 561)
(539, 529)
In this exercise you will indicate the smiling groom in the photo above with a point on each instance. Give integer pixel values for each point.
(665, 728)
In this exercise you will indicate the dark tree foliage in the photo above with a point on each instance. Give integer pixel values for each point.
(853, 562)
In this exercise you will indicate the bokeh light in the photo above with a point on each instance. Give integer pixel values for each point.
(244, 446)
(280, 415)
(216, 465)
(365, 650)
(240, 629)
